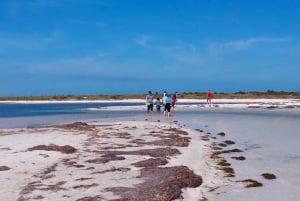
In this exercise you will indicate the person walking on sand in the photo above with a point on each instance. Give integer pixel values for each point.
(157, 104)
(209, 96)
(168, 101)
(149, 102)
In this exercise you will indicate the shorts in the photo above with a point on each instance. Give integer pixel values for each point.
(150, 107)
(168, 107)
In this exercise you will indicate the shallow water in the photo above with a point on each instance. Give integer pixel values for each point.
(269, 140)
(28, 115)
(270, 143)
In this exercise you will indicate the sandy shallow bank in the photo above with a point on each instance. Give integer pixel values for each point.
(131, 160)
(276, 101)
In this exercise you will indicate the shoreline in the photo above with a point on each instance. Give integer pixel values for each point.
(182, 104)
(223, 100)
(109, 161)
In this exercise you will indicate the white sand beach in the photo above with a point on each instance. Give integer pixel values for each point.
(134, 160)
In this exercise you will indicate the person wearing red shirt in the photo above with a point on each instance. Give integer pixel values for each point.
(209, 96)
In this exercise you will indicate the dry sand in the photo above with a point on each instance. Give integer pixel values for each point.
(132, 160)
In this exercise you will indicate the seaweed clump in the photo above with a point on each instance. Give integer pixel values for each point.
(241, 158)
(249, 183)
(163, 183)
(221, 134)
(4, 168)
(229, 142)
(67, 149)
(268, 176)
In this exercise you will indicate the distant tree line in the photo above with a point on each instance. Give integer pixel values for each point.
(191, 95)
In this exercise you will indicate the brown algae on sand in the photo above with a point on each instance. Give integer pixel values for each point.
(249, 183)
(66, 149)
(4, 168)
(117, 161)
(268, 176)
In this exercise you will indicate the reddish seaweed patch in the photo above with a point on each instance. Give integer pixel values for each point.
(4, 168)
(162, 184)
(106, 158)
(159, 152)
(113, 169)
(177, 131)
(152, 162)
(173, 140)
(85, 186)
(66, 149)
(46, 173)
(251, 183)
(77, 126)
(32, 186)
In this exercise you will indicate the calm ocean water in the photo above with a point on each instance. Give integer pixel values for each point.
(27, 115)
(269, 139)
(44, 109)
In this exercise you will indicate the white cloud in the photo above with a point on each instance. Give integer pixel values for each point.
(217, 48)
(184, 53)
(181, 52)
(82, 65)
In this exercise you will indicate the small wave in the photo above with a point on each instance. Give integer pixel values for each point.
(139, 107)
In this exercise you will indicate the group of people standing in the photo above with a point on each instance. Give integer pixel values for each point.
(167, 102)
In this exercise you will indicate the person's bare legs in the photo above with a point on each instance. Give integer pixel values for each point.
(208, 101)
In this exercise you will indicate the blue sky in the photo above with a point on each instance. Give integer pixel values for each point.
(117, 46)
